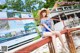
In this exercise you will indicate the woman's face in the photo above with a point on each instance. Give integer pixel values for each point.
(44, 14)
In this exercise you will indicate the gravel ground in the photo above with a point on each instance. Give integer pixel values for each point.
(78, 50)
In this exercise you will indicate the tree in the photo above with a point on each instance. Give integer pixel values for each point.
(15, 5)
(31, 5)
(3, 6)
(50, 3)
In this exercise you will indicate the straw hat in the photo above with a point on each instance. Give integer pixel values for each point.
(42, 10)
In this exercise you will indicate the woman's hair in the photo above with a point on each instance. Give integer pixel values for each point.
(41, 16)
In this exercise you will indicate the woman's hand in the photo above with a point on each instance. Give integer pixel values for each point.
(53, 32)
(56, 32)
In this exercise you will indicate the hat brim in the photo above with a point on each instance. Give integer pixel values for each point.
(42, 10)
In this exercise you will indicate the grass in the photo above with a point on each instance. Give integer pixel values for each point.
(37, 37)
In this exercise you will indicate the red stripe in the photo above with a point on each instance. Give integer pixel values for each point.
(15, 18)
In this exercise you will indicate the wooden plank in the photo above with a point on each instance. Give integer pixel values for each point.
(51, 47)
(70, 42)
(69, 30)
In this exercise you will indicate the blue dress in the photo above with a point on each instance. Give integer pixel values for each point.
(47, 22)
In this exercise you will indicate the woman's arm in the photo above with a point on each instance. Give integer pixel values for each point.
(52, 25)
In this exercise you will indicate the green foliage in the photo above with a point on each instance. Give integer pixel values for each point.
(8, 35)
(31, 5)
(49, 3)
(35, 13)
(37, 37)
(16, 5)
(36, 16)
(3, 6)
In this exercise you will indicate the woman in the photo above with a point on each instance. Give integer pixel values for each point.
(47, 31)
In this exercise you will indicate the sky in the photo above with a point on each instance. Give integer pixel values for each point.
(2, 1)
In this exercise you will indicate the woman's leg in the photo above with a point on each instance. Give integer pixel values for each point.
(46, 34)
(61, 39)
(54, 42)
